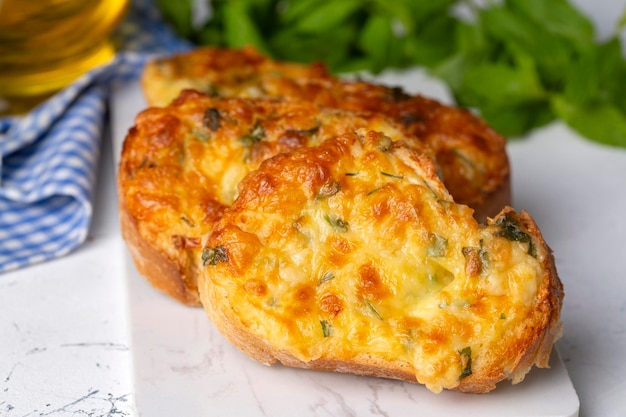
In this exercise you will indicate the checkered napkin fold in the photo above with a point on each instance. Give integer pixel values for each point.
(49, 157)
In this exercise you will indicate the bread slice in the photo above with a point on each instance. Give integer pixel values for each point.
(352, 256)
(471, 155)
(180, 166)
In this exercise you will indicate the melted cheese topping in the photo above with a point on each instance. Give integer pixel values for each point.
(181, 165)
(471, 155)
(355, 248)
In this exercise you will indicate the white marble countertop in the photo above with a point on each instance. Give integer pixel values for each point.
(68, 336)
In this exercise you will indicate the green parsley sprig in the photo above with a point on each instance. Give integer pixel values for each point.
(520, 63)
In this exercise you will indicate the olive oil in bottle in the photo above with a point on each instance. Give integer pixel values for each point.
(47, 44)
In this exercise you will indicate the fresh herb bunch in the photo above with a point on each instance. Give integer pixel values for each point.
(520, 63)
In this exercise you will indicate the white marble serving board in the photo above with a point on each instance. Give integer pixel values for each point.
(183, 366)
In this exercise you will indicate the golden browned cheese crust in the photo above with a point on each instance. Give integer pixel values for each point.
(351, 256)
(180, 166)
(218, 72)
(472, 156)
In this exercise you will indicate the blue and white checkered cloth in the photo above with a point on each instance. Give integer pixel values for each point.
(49, 157)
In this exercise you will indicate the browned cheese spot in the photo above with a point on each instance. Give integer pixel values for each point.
(381, 209)
(185, 242)
(436, 338)
(371, 286)
(331, 304)
(340, 248)
(479, 306)
(291, 139)
(260, 151)
(304, 300)
(213, 210)
(473, 264)
(255, 287)
(162, 132)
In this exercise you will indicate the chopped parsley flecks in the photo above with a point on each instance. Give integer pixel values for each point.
(373, 310)
(307, 132)
(511, 229)
(213, 256)
(326, 277)
(466, 362)
(407, 119)
(484, 257)
(212, 119)
(437, 246)
(338, 224)
(326, 328)
(212, 90)
(200, 135)
(397, 177)
(256, 134)
(329, 189)
(187, 221)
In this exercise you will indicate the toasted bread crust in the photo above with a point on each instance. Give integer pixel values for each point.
(168, 275)
(504, 318)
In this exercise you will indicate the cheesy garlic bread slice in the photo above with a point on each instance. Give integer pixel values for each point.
(180, 166)
(351, 256)
(472, 156)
